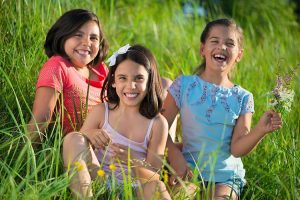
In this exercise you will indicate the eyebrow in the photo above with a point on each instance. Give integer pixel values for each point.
(218, 38)
(93, 34)
(137, 75)
(121, 75)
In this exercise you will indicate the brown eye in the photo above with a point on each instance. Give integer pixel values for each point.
(94, 38)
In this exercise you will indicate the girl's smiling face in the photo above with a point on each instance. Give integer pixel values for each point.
(221, 49)
(130, 82)
(83, 46)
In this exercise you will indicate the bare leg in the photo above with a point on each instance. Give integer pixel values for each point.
(80, 160)
(188, 191)
(221, 192)
(166, 83)
(155, 190)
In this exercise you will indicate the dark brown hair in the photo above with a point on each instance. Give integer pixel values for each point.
(152, 102)
(69, 23)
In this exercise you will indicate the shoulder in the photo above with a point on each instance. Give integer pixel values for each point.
(57, 61)
(160, 123)
(245, 98)
(240, 90)
(97, 114)
(56, 65)
(159, 131)
(185, 77)
(183, 80)
(99, 108)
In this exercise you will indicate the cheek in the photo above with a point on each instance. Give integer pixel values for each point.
(145, 87)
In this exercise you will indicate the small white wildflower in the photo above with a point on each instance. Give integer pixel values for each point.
(273, 102)
(282, 94)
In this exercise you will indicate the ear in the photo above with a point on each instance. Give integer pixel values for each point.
(202, 49)
(113, 85)
(240, 55)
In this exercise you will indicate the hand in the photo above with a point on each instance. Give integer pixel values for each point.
(270, 121)
(121, 153)
(181, 169)
(98, 138)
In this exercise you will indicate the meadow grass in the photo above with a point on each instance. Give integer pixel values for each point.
(271, 46)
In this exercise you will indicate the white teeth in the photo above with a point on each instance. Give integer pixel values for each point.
(131, 95)
(220, 56)
(83, 52)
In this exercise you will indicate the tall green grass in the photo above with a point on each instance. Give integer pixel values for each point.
(271, 46)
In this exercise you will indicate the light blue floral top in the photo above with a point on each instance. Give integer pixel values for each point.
(208, 115)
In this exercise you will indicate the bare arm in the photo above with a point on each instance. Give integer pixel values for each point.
(43, 107)
(244, 140)
(155, 151)
(175, 156)
(91, 127)
(169, 111)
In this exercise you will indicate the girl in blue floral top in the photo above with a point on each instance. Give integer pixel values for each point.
(215, 116)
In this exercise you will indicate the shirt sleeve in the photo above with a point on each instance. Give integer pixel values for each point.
(247, 104)
(175, 90)
(51, 75)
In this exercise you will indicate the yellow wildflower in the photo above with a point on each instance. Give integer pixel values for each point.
(79, 166)
(166, 152)
(112, 167)
(101, 173)
(157, 195)
(165, 176)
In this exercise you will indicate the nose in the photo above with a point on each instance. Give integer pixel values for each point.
(132, 84)
(85, 41)
(223, 46)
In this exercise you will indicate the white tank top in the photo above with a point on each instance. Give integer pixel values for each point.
(105, 156)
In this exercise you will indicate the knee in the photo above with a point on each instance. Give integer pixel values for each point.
(74, 139)
(157, 186)
(74, 146)
(155, 190)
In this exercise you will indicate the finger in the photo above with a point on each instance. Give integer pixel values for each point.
(118, 151)
(276, 127)
(121, 146)
(98, 143)
(189, 173)
(172, 180)
(104, 137)
(276, 123)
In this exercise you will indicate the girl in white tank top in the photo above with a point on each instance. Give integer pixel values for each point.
(128, 129)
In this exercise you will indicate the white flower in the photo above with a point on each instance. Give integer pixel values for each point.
(282, 95)
(286, 94)
(273, 102)
(122, 50)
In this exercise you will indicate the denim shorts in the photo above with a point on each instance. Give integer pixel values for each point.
(235, 184)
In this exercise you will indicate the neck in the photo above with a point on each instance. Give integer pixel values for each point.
(218, 79)
(127, 110)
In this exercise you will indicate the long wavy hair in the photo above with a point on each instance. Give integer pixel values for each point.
(152, 102)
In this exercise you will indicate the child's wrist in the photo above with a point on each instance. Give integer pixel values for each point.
(259, 131)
